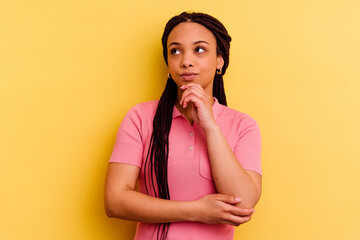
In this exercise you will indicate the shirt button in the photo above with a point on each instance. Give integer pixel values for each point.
(191, 148)
(191, 134)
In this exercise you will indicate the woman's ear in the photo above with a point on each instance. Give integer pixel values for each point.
(220, 62)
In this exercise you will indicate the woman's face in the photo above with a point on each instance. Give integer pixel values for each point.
(192, 56)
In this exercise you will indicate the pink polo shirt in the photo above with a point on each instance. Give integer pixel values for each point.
(189, 172)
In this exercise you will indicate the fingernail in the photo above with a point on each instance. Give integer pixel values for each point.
(253, 210)
(182, 86)
(237, 199)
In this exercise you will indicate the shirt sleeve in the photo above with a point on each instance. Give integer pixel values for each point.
(248, 147)
(128, 145)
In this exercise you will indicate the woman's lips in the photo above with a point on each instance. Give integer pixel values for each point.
(188, 76)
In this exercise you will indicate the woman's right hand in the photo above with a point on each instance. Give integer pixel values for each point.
(221, 209)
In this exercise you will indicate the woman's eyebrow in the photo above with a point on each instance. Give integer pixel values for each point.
(197, 42)
(174, 43)
(201, 41)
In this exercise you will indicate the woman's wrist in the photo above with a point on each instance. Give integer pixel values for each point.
(212, 128)
(193, 215)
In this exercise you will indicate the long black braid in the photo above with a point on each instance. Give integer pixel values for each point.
(157, 157)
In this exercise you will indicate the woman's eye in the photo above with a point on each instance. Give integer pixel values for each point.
(174, 51)
(200, 50)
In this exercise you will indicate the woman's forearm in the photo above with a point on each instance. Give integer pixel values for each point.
(211, 209)
(229, 176)
(132, 205)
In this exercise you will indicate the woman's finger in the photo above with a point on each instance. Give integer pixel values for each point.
(236, 221)
(198, 99)
(191, 98)
(199, 92)
(228, 199)
(237, 211)
(186, 86)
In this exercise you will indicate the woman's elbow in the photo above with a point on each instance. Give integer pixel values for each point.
(108, 209)
(108, 212)
(112, 209)
(250, 200)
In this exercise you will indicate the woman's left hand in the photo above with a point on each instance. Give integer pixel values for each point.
(202, 103)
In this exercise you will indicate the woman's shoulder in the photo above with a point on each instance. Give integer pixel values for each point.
(236, 116)
(147, 106)
(144, 109)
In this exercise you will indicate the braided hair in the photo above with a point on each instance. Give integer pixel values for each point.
(155, 167)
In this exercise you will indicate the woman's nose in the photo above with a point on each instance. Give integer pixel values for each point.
(186, 61)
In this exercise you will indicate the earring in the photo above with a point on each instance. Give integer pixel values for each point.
(219, 71)
(169, 76)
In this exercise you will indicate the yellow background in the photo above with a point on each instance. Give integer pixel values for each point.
(70, 70)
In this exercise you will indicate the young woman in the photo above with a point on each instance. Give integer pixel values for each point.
(197, 161)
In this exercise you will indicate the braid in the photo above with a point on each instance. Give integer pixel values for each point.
(157, 157)
(218, 89)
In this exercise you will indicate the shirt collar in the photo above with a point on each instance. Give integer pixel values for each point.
(215, 107)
